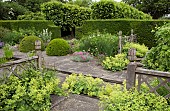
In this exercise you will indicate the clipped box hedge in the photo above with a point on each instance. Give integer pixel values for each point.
(27, 24)
(142, 28)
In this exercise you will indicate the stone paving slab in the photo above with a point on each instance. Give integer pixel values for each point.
(66, 65)
(75, 103)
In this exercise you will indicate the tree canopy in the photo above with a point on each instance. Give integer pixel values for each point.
(156, 8)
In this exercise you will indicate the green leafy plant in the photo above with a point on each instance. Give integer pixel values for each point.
(74, 43)
(58, 47)
(12, 37)
(80, 84)
(158, 57)
(99, 43)
(8, 52)
(109, 9)
(141, 50)
(31, 16)
(2, 60)
(65, 15)
(28, 43)
(3, 32)
(30, 93)
(117, 63)
(81, 56)
(45, 35)
(123, 100)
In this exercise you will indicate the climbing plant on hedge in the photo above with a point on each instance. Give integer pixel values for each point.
(28, 43)
(112, 10)
(158, 58)
(65, 14)
(58, 47)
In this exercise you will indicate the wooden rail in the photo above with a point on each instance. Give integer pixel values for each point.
(140, 75)
(17, 66)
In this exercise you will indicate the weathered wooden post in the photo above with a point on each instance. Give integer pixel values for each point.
(38, 53)
(132, 54)
(120, 42)
(131, 76)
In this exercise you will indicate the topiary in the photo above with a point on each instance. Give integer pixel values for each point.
(58, 47)
(28, 43)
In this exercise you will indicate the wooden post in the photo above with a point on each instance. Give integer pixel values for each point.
(131, 76)
(120, 42)
(38, 53)
(132, 54)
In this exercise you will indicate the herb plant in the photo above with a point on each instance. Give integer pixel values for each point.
(30, 93)
(117, 63)
(99, 43)
(80, 84)
(81, 56)
(8, 52)
(141, 50)
(122, 100)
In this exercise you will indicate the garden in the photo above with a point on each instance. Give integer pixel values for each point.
(106, 37)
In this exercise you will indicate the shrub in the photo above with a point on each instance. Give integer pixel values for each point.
(31, 16)
(80, 84)
(16, 10)
(81, 57)
(123, 100)
(142, 28)
(158, 57)
(37, 25)
(8, 52)
(3, 32)
(65, 15)
(117, 63)
(28, 43)
(99, 43)
(12, 37)
(141, 50)
(112, 10)
(30, 93)
(58, 47)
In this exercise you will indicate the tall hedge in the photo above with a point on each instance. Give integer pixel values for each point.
(27, 24)
(114, 10)
(143, 28)
(65, 15)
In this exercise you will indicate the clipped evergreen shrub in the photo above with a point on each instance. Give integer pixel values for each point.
(113, 10)
(58, 47)
(38, 25)
(65, 15)
(28, 43)
(142, 28)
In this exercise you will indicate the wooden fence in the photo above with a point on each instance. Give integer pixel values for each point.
(16, 67)
(122, 40)
(139, 75)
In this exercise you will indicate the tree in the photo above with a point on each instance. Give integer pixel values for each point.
(82, 3)
(156, 8)
(32, 5)
(10, 10)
